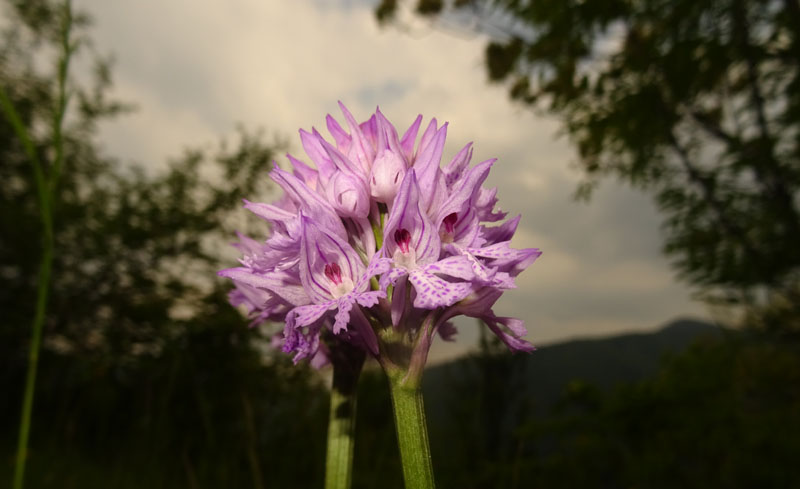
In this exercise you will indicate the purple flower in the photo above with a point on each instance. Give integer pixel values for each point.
(378, 243)
(413, 244)
(336, 279)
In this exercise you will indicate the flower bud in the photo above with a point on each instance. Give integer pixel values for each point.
(348, 195)
(387, 172)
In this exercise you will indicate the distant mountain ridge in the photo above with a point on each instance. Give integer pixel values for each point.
(545, 373)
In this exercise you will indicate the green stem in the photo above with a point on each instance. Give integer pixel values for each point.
(33, 362)
(46, 190)
(412, 432)
(60, 109)
(347, 362)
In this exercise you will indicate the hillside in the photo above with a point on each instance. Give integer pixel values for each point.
(543, 375)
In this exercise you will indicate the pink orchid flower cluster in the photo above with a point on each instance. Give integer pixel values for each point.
(379, 236)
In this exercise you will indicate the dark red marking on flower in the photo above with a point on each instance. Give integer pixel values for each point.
(403, 239)
(334, 273)
(450, 223)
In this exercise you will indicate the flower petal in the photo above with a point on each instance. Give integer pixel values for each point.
(433, 292)
(304, 315)
(295, 340)
(392, 277)
(465, 190)
(503, 232)
(387, 135)
(370, 130)
(345, 305)
(310, 202)
(319, 248)
(410, 137)
(426, 165)
(343, 140)
(507, 258)
(453, 170)
(369, 299)
(407, 213)
(360, 149)
(386, 175)
(458, 266)
(342, 162)
(510, 332)
(377, 266)
(317, 153)
(484, 204)
(348, 195)
(268, 212)
(304, 172)
(279, 283)
(426, 138)
(246, 244)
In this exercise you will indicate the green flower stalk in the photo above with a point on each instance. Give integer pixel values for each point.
(347, 362)
(403, 362)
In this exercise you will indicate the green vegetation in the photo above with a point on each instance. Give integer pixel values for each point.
(147, 375)
(719, 410)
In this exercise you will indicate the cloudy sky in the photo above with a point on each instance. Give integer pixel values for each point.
(197, 68)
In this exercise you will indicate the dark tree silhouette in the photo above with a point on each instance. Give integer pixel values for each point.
(695, 102)
(147, 377)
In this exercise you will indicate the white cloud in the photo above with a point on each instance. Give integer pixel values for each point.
(197, 68)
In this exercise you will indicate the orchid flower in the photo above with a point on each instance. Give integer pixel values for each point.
(336, 279)
(374, 248)
(415, 248)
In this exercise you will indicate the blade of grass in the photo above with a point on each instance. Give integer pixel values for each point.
(46, 191)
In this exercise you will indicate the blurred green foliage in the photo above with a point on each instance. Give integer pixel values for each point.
(696, 102)
(148, 377)
(723, 413)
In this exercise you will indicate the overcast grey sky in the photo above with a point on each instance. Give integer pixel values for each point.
(197, 68)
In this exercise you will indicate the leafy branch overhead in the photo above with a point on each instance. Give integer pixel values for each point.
(697, 103)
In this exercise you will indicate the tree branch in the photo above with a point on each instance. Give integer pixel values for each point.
(768, 171)
(714, 129)
(707, 187)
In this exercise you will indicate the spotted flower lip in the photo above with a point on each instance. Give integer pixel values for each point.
(373, 232)
(335, 279)
(413, 243)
